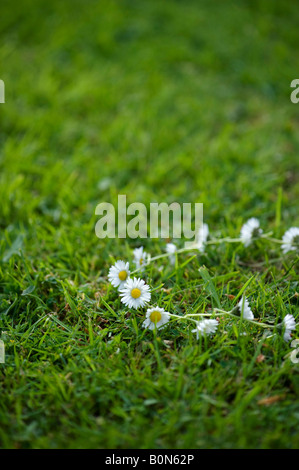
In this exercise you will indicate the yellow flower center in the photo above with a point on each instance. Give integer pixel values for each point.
(122, 275)
(135, 293)
(141, 261)
(155, 316)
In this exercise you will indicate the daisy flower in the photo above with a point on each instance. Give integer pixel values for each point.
(135, 293)
(202, 237)
(251, 229)
(140, 258)
(171, 249)
(290, 240)
(156, 317)
(205, 327)
(119, 273)
(289, 325)
(245, 308)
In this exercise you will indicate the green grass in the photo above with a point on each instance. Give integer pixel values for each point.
(161, 101)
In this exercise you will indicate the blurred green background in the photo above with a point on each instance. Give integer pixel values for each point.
(186, 101)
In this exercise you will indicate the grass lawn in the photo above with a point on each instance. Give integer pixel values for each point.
(161, 101)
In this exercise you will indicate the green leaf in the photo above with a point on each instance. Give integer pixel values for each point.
(15, 248)
(244, 288)
(209, 285)
(28, 290)
(109, 308)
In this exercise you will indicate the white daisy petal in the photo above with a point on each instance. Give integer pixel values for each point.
(141, 258)
(156, 317)
(119, 273)
(251, 229)
(202, 237)
(290, 240)
(289, 325)
(245, 308)
(205, 327)
(135, 293)
(171, 249)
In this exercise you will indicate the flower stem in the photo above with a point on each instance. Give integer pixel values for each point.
(264, 325)
(185, 317)
(265, 236)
